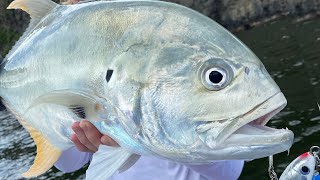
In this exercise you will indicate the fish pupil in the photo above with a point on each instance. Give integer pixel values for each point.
(305, 169)
(215, 77)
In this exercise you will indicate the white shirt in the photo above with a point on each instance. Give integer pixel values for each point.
(151, 168)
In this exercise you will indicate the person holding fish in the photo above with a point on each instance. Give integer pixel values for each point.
(87, 140)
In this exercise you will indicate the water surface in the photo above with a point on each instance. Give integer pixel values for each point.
(290, 51)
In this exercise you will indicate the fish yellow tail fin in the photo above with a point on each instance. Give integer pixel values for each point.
(47, 154)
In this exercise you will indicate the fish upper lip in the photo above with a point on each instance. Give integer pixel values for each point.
(259, 115)
(262, 120)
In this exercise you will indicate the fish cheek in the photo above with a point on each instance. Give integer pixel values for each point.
(177, 117)
(161, 126)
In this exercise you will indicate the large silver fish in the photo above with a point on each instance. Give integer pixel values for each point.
(159, 78)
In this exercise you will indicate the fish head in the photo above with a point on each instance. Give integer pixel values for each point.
(207, 96)
(186, 88)
(303, 167)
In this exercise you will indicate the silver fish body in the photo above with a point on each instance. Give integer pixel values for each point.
(159, 78)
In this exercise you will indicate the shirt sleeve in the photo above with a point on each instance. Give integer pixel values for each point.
(72, 160)
(219, 169)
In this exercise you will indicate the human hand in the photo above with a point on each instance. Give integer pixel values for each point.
(87, 138)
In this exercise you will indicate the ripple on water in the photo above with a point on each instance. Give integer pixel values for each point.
(314, 81)
(311, 130)
(317, 118)
(297, 139)
(294, 122)
(297, 64)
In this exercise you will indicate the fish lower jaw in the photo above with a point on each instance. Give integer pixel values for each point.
(254, 142)
(255, 134)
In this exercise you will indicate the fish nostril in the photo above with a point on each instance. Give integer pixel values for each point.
(247, 70)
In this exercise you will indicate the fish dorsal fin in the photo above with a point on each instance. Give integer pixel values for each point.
(37, 9)
(47, 154)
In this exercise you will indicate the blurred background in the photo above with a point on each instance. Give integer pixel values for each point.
(284, 34)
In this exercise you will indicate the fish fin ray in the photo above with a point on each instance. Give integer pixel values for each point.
(106, 161)
(80, 111)
(37, 9)
(47, 154)
(130, 162)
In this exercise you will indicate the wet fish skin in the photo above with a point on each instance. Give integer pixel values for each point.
(157, 100)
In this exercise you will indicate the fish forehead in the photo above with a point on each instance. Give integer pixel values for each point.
(166, 22)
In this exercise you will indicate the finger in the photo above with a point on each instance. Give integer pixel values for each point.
(106, 140)
(78, 144)
(92, 133)
(82, 137)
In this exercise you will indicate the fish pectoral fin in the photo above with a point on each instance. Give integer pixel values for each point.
(47, 154)
(37, 9)
(84, 105)
(106, 161)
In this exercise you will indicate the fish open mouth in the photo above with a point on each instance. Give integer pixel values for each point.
(250, 130)
(256, 133)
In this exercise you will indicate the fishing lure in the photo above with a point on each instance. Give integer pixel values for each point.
(304, 167)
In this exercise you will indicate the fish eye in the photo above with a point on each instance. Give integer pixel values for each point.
(304, 170)
(215, 74)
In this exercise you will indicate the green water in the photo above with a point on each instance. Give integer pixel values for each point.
(290, 51)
